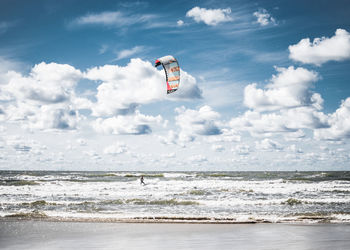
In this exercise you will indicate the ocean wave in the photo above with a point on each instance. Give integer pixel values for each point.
(178, 175)
(144, 175)
(171, 202)
(134, 201)
(33, 215)
(17, 183)
(189, 194)
(200, 192)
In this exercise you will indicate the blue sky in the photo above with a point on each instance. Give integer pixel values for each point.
(264, 85)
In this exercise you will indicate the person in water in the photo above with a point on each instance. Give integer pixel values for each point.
(141, 180)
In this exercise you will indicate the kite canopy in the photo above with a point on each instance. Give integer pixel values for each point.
(172, 72)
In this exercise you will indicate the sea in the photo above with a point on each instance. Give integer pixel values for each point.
(204, 197)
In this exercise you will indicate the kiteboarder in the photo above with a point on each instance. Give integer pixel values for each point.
(141, 180)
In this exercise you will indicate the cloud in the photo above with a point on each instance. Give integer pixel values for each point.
(268, 145)
(193, 122)
(111, 18)
(115, 149)
(129, 52)
(171, 138)
(46, 83)
(126, 124)
(180, 23)
(288, 89)
(44, 99)
(264, 18)
(25, 146)
(6, 66)
(293, 148)
(188, 90)
(210, 17)
(304, 117)
(169, 155)
(287, 122)
(287, 103)
(242, 149)
(48, 117)
(81, 142)
(22, 147)
(322, 50)
(217, 148)
(124, 88)
(197, 158)
(339, 124)
(227, 135)
(92, 154)
(260, 124)
(2, 128)
(295, 136)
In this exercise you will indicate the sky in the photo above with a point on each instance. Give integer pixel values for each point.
(265, 85)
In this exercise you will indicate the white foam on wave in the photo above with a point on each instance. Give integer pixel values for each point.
(217, 197)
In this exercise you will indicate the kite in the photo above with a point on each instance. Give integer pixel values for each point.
(172, 72)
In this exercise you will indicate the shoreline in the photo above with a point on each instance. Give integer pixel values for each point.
(132, 220)
(176, 220)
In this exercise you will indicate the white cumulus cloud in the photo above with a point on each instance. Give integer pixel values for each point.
(46, 83)
(288, 122)
(126, 124)
(124, 88)
(339, 124)
(286, 106)
(210, 16)
(258, 124)
(322, 50)
(193, 122)
(44, 99)
(289, 88)
(49, 117)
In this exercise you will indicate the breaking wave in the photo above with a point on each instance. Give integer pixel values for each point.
(208, 197)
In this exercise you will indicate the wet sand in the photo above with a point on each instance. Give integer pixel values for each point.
(32, 234)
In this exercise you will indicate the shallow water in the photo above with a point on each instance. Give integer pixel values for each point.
(214, 196)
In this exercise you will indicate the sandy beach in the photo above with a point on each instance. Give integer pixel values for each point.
(32, 234)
